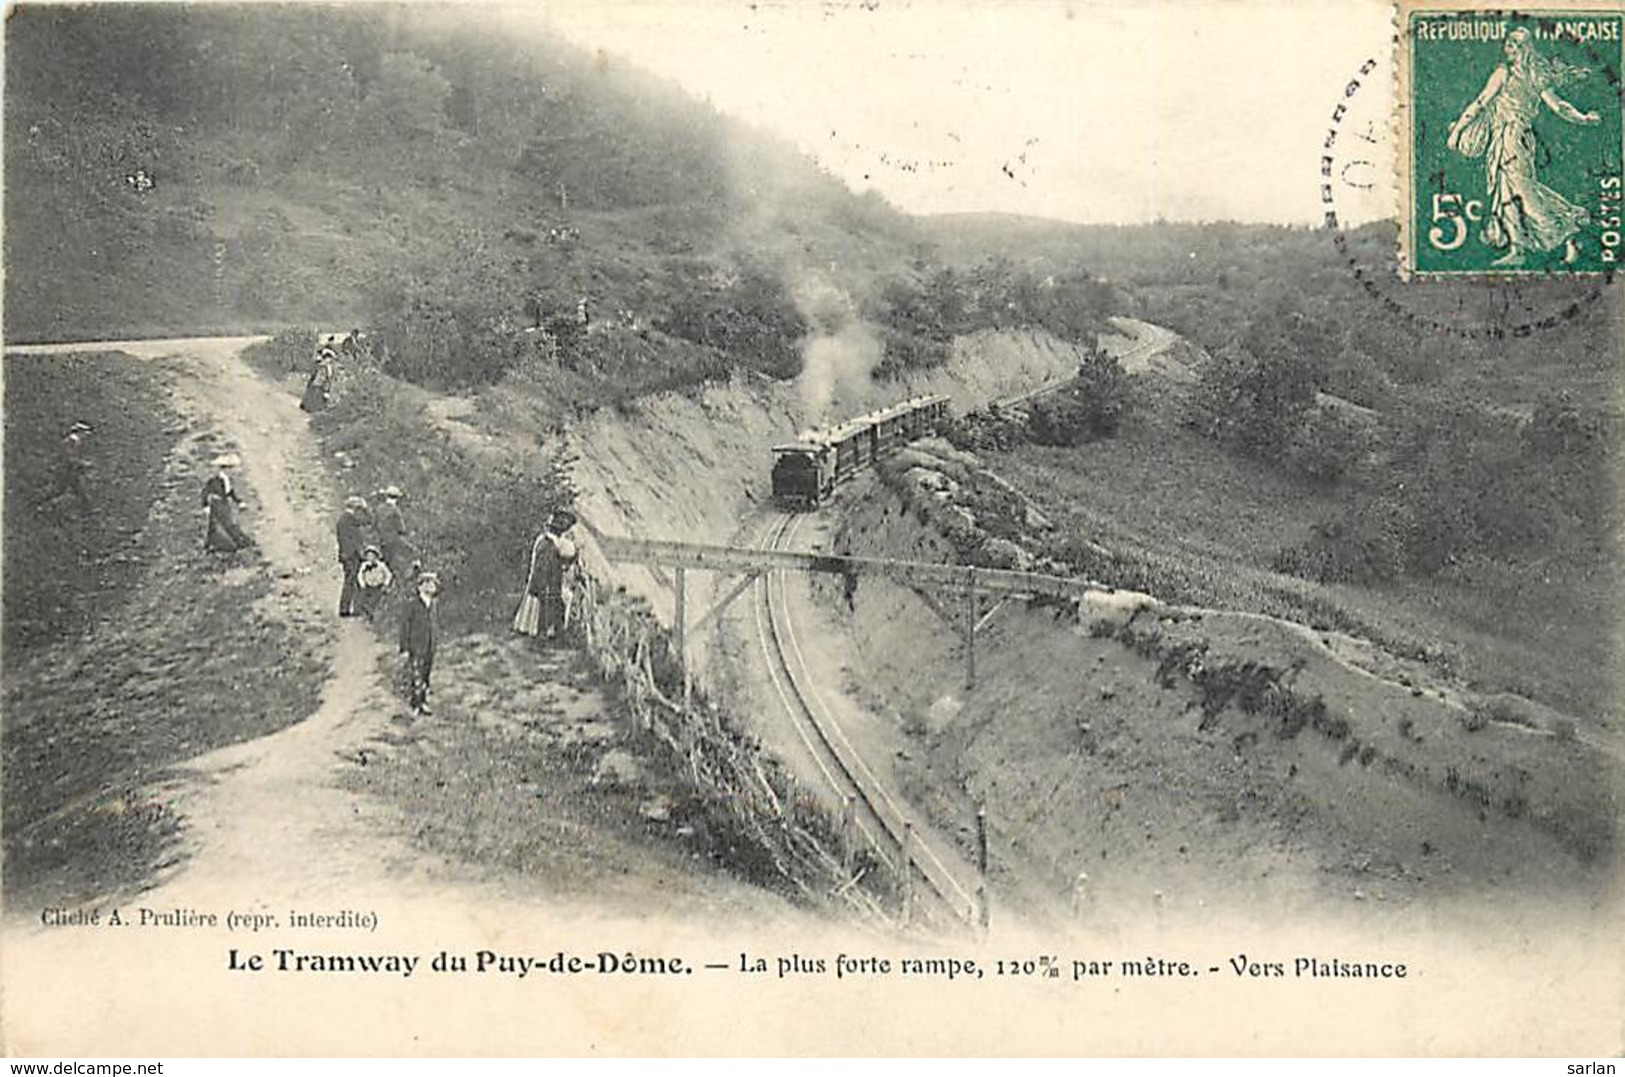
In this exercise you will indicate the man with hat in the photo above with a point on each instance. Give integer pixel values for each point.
(73, 466)
(390, 527)
(352, 538)
(418, 638)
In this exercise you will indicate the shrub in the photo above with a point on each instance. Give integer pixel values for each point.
(1325, 447)
(1092, 407)
(1251, 403)
(290, 351)
(1359, 547)
(751, 317)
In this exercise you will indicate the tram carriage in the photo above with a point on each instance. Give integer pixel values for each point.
(806, 470)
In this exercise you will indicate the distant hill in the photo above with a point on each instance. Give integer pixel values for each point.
(1219, 283)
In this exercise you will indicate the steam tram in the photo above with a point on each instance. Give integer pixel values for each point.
(806, 470)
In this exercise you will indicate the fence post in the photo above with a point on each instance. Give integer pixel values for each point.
(908, 872)
(680, 627)
(981, 865)
(849, 834)
(970, 629)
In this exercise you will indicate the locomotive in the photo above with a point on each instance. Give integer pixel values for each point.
(806, 470)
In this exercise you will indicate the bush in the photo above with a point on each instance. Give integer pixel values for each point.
(443, 345)
(751, 318)
(1253, 404)
(903, 351)
(291, 351)
(1325, 447)
(1090, 408)
(1370, 546)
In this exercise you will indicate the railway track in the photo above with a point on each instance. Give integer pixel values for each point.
(1130, 358)
(881, 819)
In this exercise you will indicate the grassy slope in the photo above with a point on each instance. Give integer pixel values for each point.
(128, 649)
(229, 240)
(1209, 524)
(1541, 623)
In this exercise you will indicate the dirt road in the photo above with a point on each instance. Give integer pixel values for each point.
(278, 819)
(264, 817)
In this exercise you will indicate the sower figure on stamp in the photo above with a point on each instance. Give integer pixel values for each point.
(1525, 216)
(352, 537)
(418, 639)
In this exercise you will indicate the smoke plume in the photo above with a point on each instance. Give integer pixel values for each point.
(837, 355)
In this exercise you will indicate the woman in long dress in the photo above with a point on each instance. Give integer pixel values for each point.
(220, 497)
(1525, 216)
(320, 385)
(541, 612)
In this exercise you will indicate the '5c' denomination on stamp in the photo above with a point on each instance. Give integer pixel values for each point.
(1509, 137)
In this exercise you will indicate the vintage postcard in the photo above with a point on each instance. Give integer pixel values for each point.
(694, 527)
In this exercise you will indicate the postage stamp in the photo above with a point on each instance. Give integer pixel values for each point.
(1509, 138)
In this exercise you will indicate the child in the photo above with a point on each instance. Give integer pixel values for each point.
(372, 580)
(417, 640)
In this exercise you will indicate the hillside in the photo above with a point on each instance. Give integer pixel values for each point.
(414, 174)
(1457, 495)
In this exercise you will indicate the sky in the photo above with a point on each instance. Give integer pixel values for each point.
(1100, 112)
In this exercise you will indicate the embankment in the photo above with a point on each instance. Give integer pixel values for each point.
(1209, 756)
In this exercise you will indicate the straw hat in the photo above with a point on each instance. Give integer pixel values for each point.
(356, 503)
(227, 459)
(80, 427)
(392, 492)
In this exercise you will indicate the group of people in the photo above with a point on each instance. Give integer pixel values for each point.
(371, 567)
(324, 370)
(374, 550)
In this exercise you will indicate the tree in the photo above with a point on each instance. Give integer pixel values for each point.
(1252, 403)
(1090, 408)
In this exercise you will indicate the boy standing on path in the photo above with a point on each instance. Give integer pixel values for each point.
(417, 640)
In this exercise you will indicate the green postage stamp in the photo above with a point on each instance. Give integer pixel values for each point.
(1509, 138)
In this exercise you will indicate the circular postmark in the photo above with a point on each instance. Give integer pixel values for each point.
(1361, 156)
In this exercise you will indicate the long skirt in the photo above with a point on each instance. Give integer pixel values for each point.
(315, 398)
(224, 536)
(527, 620)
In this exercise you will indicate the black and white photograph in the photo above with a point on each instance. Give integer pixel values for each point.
(856, 527)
